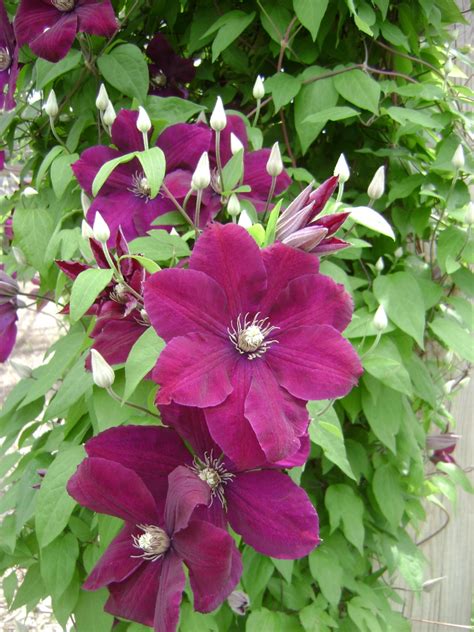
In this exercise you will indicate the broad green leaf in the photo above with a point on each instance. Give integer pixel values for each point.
(359, 22)
(33, 228)
(229, 27)
(63, 606)
(283, 87)
(9, 585)
(408, 560)
(370, 218)
(47, 160)
(383, 408)
(270, 230)
(359, 88)
(407, 115)
(405, 186)
(285, 568)
(257, 572)
(386, 364)
(395, 35)
(61, 173)
(106, 169)
(310, 14)
(362, 617)
(264, 620)
(388, 492)
(449, 245)
(457, 475)
(422, 380)
(76, 382)
(154, 165)
(327, 571)
(454, 336)
(171, 109)
(86, 287)
(149, 265)
(58, 562)
(141, 359)
(401, 297)
(47, 71)
(346, 507)
(160, 246)
(336, 113)
(89, 612)
(125, 68)
(233, 170)
(53, 504)
(8, 533)
(31, 590)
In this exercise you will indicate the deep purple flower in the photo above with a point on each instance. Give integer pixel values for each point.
(443, 446)
(8, 61)
(50, 26)
(169, 71)
(252, 335)
(143, 566)
(299, 225)
(120, 320)
(8, 314)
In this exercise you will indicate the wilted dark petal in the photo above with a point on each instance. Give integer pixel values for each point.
(213, 561)
(322, 194)
(183, 144)
(55, 43)
(170, 594)
(190, 423)
(186, 491)
(314, 362)
(72, 269)
(179, 302)
(6, 100)
(256, 176)
(272, 514)
(294, 208)
(330, 245)
(108, 487)
(88, 166)
(194, 370)
(152, 452)
(113, 339)
(442, 441)
(118, 562)
(229, 255)
(312, 299)
(332, 222)
(135, 597)
(125, 134)
(306, 238)
(96, 17)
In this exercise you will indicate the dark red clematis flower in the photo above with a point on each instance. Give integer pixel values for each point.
(143, 566)
(50, 26)
(299, 225)
(443, 446)
(8, 61)
(8, 314)
(251, 336)
(168, 71)
(120, 315)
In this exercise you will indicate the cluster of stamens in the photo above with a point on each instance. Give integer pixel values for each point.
(140, 186)
(153, 542)
(159, 79)
(63, 5)
(120, 293)
(5, 58)
(213, 472)
(250, 336)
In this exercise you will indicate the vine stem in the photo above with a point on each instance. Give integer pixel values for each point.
(178, 205)
(117, 398)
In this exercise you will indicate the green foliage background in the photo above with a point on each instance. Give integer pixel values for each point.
(374, 80)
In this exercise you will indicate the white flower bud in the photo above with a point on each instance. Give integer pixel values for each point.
(448, 386)
(102, 373)
(342, 169)
(469, 217)
(448, 66)
(380, 319)
(21, 369)
(233, 205)
(239, 602)
(464, 382)
(218, 118)
(449, 357)
(86, 230)
(458, 160)
(377, 186)
(235, 144)
(102, 100)
(398, 252)
(379, 265)
(85, 202)
(202, 174)
(431, 583)
(19, 256)
(258, 88)
(143, 121)
(51, 105)
(109, 115)
(100, 229)
(244, 219)
(275, 164)
(29, 192)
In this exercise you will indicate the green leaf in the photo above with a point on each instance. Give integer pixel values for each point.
(86, 287)
(369, 218)
(47, 160)
(233, 170)
(336, 113)
(327, 571)
(149, 265)
(389, 493)
(106, 169)
(141, 359)
(359, 88)
(386, 364)
(449, 244)
(270, 230)
(154, 165)
(32, 588)
(345, 506)
(454, 336)
(405, 186)
(310, 14)
(89, 612)
(160, 246)
(403, 116)
(359, 22)
(63, 606)
(76, 382)
(285, 568)
(283, 87)
(457, 475)
(395, 35)
(53, 504)
(257, 572)
(171, 109)
(47, 71)
(383, 408)
(125, 68)
(264, 620)
(230, 26)
(33, 228)
(58, 562)
(402, 299)
(61, 173)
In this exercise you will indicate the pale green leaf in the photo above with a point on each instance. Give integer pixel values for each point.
(141, 359)
(454, 336)
(359, 88)
(310, 13)
(388, 492)
(86, 287)
(58, 562)
(125, 68)
(154, 165)
(370, 218)
(336, 113)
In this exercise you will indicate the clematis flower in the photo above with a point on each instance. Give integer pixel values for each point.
(8, 314)
(299, 226)
(50, 26)
(120, 317)
(443, 446)
(143, 566)
(8, 61)
(251, 336)
(168, 71)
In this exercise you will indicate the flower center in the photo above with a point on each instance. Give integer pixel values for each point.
(213, 472)
(119, 293)
(5, 58)
(153, 542)
(159, 79)
(140, 186)
(250, 336)
(63, 5)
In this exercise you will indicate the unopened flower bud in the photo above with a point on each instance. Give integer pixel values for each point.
(85, 202)
(102, 100)
(235, 144)
(218, 118)
(239, 602)
(202, 174)
(448, 386)
(448, 66)
(258, 88)
(275, 164)
(51, 105)
(244, 219)
(29, 192)
(379, 265)
(19, 256)
(102, 373)
(464, 382)
(469, 217)
(233, 205)
(86, 230)
(22, 370)
(431, 583)
(100, 229)
(398, 252)
(342, 169)
(380, 319)
(458, 160)
(377, 186)
(143, 121)
(109, 115)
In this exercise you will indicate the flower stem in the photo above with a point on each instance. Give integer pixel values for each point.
(198, 211)
(373, 345)
(117, 398)
(257, 112)
(145, 141)
(340, 192)
(270, 193)
(218, 159)
(178, 205)
(56, 135)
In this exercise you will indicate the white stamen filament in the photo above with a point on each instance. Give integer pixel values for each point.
(153, 542)
(140, 186)
(250, 336)
(63, 5)
(213, 472)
